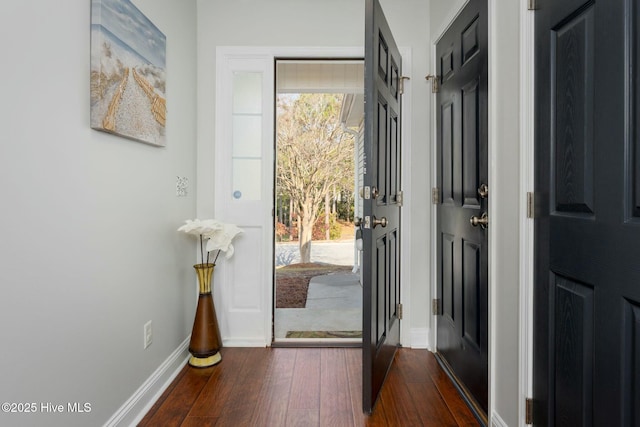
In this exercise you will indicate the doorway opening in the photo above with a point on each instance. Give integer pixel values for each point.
(318, 174)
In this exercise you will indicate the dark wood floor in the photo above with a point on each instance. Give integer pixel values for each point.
(308, 387)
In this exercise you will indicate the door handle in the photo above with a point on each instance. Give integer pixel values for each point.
(357, 221)
(382, 221)
(483, 221)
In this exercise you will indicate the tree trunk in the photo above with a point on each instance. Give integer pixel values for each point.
(335, 200)
(306, 219)
(291, 215)
(306, 235)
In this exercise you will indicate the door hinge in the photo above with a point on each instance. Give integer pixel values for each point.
(528, 411)
(435, 307)
(401, 83)
(531, 205)
(435, 87)
(399, 311)
(531, 4)
(435, 195)
(400, 198)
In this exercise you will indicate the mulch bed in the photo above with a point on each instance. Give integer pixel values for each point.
(292, 282)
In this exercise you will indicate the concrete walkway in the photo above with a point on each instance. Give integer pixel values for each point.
(334, 303)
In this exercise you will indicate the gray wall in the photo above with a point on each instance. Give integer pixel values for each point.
(88, 250)
(504, 152)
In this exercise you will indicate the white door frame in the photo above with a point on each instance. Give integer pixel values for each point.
(527, 184)
(239, 324)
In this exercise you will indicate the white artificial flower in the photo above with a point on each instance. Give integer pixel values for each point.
(197, 227)
(221, 239)
(218, 235)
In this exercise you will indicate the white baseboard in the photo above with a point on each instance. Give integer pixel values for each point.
(496, 421)
(419, 338)
(244, 342)
(135, 408)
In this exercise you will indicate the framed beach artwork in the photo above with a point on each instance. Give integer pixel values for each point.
(128, 60)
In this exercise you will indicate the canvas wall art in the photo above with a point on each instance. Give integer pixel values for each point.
(128, 60)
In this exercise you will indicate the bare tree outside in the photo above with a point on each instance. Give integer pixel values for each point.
(314, 158)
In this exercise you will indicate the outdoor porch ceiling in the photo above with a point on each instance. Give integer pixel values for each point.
(320, 76)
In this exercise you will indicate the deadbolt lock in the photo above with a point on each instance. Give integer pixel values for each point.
(374, 192)
(483, 191)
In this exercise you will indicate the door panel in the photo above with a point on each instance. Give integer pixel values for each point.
(462, 327)
(382, 176)
(447, 149)
(573, 132)
(573, 344)
(631, 354)
(446, 290)
(470, 145)
(587, 236)
(381, 233)
(471, 323)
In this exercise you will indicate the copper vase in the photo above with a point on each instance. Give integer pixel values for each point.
(205, 336)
